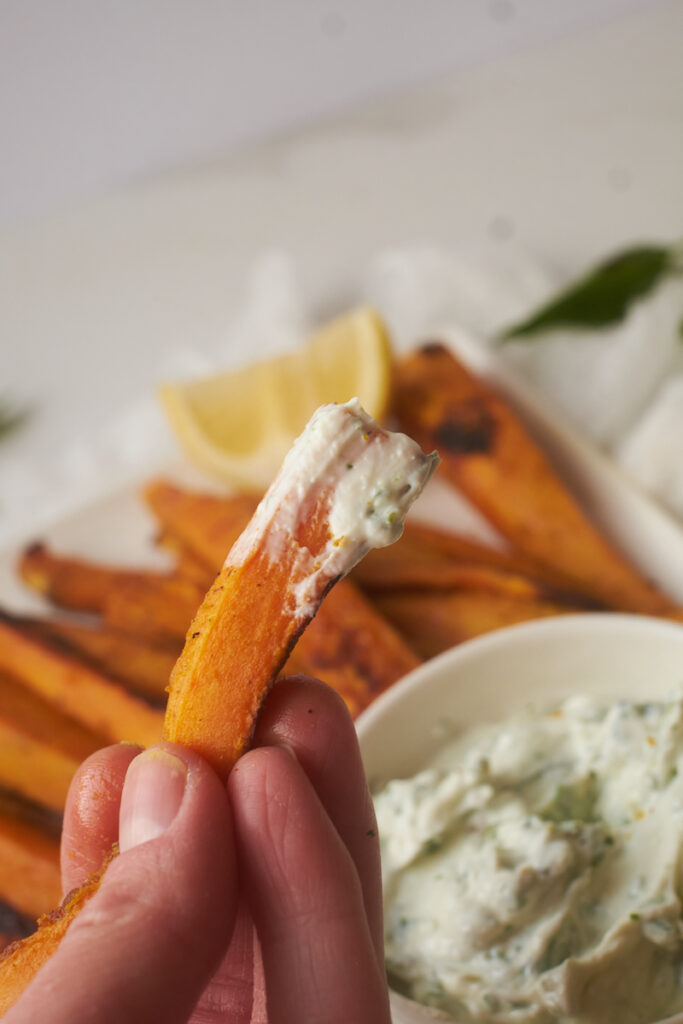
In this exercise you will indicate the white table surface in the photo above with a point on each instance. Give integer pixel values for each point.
(567, 151)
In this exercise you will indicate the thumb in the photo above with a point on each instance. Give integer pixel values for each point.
(147, 943)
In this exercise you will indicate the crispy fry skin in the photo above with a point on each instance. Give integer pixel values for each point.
(98, 703)
(433, 621)
(20, 962)
(272, 584)
(40, 749)
(352, 648)
(489, 455)
(29, 867)
(141, 664)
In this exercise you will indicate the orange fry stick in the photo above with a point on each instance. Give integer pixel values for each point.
(348, 644)
(344, 488)
(14, 806)
(207, 525)
(352, 648)
(98, 703)
(141, 664)
(158, 609)
(145, 602)
(489, 455)
(426, 557)
(430, 571)
(21, 961)
(188, 566)
(431, 622)
(40, 749)
(29, 867)
(70, 582)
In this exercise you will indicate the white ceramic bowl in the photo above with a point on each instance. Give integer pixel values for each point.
(539, 663)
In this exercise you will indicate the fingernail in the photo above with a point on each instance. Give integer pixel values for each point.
(151, 797)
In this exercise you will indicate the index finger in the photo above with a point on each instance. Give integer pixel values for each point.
(312, 719)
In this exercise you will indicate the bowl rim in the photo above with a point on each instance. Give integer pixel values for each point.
(468, 650)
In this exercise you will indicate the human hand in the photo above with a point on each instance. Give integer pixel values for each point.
(255, 903)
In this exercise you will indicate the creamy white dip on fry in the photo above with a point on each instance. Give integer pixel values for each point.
(533, 872)
(370, 477)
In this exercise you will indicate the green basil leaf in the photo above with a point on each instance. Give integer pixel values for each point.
(603, 296)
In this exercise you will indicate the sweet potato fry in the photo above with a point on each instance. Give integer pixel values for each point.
(21, 961)
(68, 582)
(206, 525)
(40, 749)
(17, 807)
(331, 646)
(436, 548)
(142, 602)
(98, 703)
(158, 609)
(141, 664)
(426, 570)
(352, 648)
(347, 644)
(8, 937)
(337, 645)
(316, 521)
(313, 525)
(433, 621)
(187, 565)
(491, 457)
(29, 867)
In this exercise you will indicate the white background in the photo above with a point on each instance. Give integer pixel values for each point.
(98, 92)
(557, 133)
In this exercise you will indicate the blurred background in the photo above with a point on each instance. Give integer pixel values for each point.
(96, 95)
(185, 186)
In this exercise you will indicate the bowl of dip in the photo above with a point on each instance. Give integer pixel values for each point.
(529, 795)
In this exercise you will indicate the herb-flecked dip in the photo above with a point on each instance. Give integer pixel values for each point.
(533, 872)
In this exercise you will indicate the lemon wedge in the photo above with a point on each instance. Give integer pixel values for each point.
(238, 426)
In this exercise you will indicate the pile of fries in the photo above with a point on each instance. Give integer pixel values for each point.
(96, 671)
